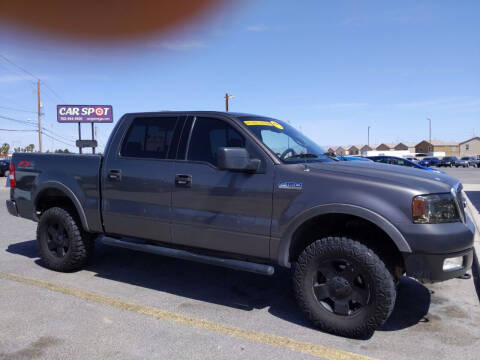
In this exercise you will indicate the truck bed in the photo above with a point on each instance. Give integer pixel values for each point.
(76, 175)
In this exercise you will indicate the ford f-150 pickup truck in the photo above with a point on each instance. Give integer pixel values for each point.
(250, 193)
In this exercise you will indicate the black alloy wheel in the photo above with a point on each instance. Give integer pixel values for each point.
(57, 238)
(340, 287)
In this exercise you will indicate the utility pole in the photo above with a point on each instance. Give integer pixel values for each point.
(227, 97)
(368, 137)
(39, 117)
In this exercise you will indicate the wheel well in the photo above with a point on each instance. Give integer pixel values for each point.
(351, 226)
(52, 197)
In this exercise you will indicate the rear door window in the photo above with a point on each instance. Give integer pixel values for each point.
(149, 137)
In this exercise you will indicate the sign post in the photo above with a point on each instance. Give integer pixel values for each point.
(85, 114)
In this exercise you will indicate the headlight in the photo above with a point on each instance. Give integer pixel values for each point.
(434, 209)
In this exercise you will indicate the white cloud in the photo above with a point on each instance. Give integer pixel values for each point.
(258, 28)
(342, 105)
(179, 45)
(14, 78)
(442, 103)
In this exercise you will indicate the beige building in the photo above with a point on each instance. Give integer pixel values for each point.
(353, 150)
(340, 151)
(405, 146)
(366, 148)
(385, 147)
(450, 148)
(470, 147)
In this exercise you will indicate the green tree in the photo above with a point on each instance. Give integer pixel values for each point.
(4, 148)
(30, 148)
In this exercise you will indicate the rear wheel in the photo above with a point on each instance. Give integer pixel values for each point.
(343, 287)
(63, 244)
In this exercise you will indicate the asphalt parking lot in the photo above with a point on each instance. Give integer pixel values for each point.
(128, 305)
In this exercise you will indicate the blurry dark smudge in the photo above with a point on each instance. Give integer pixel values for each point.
(102, 21)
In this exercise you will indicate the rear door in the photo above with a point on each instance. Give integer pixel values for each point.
(218, 209)
(137, 177)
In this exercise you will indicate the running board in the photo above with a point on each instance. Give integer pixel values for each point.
(187, 255)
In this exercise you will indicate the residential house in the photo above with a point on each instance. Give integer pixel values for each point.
(353, 150)
(450, 148)
(470, 147)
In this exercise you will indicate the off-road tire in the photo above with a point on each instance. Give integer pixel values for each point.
(381, 285)
(80, 243)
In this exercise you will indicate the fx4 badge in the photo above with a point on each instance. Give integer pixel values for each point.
(290, 185)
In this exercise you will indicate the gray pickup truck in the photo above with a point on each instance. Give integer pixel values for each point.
(249, 193)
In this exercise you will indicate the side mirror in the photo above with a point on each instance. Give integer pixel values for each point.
(232, 158)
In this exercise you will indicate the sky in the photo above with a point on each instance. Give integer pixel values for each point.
(330, 68)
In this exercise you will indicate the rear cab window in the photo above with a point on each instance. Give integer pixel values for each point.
(150, 137)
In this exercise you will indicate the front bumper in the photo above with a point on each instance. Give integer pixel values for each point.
(429, 267)
(12, 207)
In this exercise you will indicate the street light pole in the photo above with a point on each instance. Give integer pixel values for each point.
(368, 137)
(430, 130)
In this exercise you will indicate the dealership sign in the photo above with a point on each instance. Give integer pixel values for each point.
(84, 113)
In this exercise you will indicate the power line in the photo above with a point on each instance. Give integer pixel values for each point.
(18, 67)
(33, 76)
(11, 101)
(58, 135)
(15, 109)
(60, 141)
(18, 130)
(17, 120)
(53, 92)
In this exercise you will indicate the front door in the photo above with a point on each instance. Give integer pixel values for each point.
(218, 209)
(137, 178)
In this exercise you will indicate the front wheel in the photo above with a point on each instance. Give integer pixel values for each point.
(63, 244)
(343, 287)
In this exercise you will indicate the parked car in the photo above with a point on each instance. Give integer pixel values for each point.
(447, 161)
(429, 161)
(4, 164)
(467, 161)
(352, 158)
(394, 160)
(250, 192)
(412, 158)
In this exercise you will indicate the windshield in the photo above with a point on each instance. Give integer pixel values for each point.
(290, 145)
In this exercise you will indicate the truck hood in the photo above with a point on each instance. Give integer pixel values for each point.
(417, 180)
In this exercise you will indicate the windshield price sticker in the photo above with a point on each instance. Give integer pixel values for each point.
(263, 123)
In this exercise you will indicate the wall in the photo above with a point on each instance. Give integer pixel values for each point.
(473, 148)
(450, 150)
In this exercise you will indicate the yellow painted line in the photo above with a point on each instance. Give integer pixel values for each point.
(233, 331)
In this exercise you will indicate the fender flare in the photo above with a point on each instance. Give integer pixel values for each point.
(283, 254)
(68, 193)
